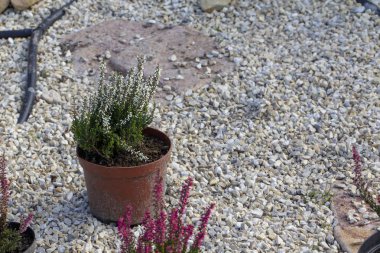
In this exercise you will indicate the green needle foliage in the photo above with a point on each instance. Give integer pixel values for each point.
(112, 120)
(10, 240)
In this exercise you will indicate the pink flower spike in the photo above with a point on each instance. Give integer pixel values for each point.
(187, 233)
(173, 226)
(140, 246)
(169, 249)
(122, 233)
(24, 223)
(148, 248)
(202, 228)
(4, 190)
(124, 229)
(185, 192)
(160, 229)
(158, 194)
(355, 154)
(149, 228)
(358, 179)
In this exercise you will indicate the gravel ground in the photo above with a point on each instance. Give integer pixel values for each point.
(264, 142)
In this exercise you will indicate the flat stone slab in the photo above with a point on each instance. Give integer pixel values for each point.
(350, 236)
(188, 58)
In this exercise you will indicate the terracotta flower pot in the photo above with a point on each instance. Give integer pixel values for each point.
(111, 189)
(371, 245)
(28, 238)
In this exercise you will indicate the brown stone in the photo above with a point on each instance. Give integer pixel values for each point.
(175, 49)
(3, 5)
(349, 236)
(22, 4)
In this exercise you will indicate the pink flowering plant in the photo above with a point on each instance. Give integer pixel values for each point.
(10, 239)
(164, 233)
(362, 186)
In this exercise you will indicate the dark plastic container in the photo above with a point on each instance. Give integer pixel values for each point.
(371, 245)
(27, 235)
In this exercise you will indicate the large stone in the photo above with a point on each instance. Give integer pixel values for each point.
(52, 97)
(350, 236)
(188, 58)
(22, 4)
(3, 5)
(211, 5)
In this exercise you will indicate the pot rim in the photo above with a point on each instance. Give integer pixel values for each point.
(163, 136)
(29, 229)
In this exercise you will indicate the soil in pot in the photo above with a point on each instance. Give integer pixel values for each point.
(151, 146)
(28, 243)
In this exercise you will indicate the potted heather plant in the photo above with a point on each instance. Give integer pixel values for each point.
(14, 237)
(372, 244)
(163, 233)
(119, 153)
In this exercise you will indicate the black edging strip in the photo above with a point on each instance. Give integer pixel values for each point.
(24, 33)
(36, 35)
(30, 92)
(369, 5)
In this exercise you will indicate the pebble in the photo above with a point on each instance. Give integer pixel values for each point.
(107, 55)
(169, 97)
(173, 58)
(51, 97)
(238, 60)
(257, 213)
(22, 4)
(61, 249)
(279, 241)
(211, 5)
(359, 9)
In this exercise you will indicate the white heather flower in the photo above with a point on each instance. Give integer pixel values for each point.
(138, 154)
(106, 123)
(120, 102)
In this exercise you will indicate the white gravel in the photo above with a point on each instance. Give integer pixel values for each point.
(264, 142)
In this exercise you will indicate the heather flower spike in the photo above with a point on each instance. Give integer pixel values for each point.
(25, 222)
(149, 227)
(124, 229)
(202, 228)
(174, 225)
(358, 169)
(158, 194)
(185, 195)
(362, 186)
(187, 233)
(4, 185)
(160, 229)
(164, 233)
